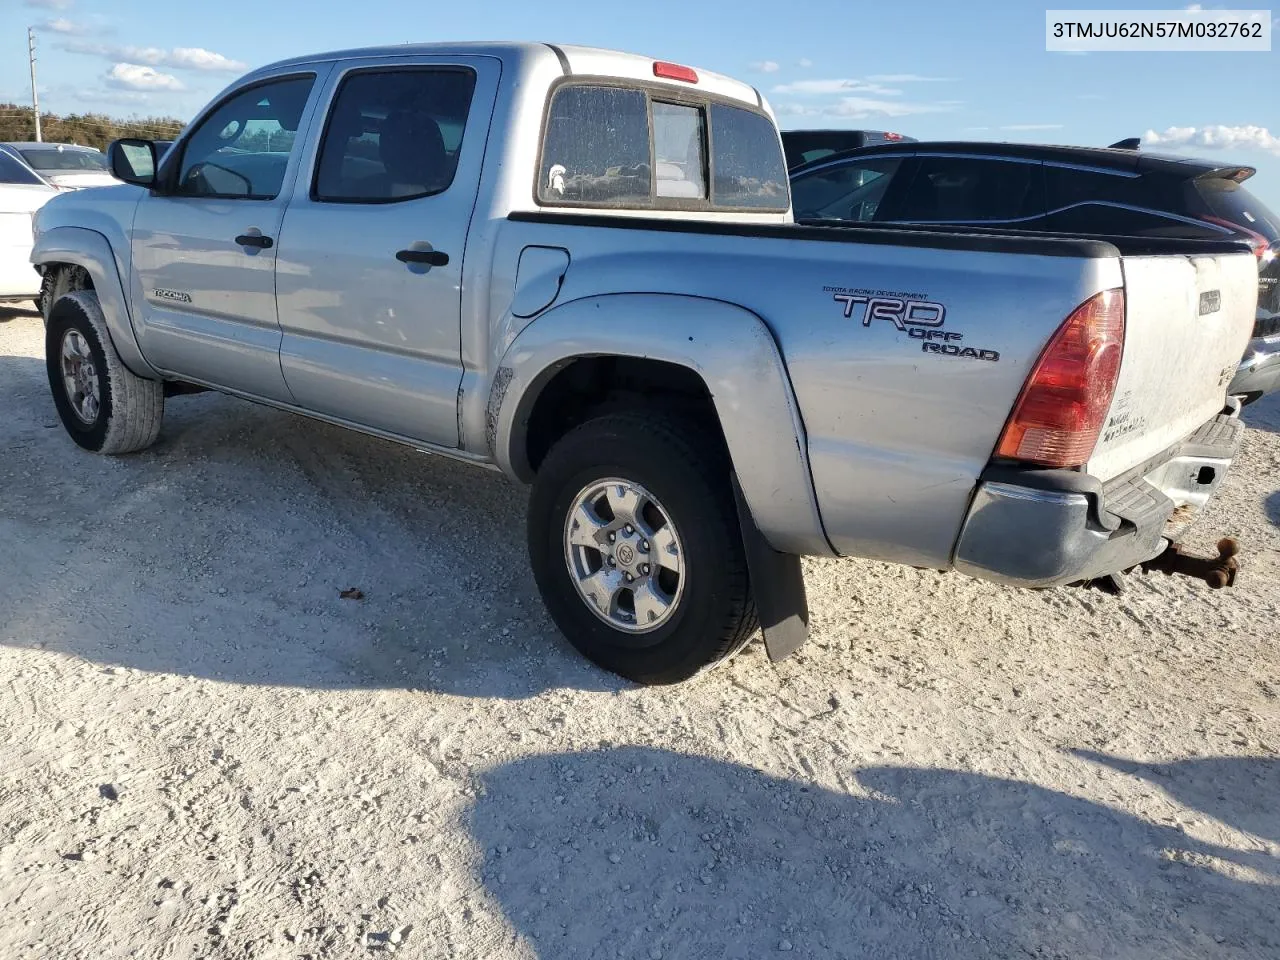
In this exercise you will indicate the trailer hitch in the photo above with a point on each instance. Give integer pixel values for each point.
(1217, 572)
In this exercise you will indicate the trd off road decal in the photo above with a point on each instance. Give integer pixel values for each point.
(911, 313)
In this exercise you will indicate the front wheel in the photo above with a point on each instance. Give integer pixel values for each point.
(636, 549)
(102, 404)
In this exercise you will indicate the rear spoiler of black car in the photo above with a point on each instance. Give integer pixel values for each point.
(1238, 174)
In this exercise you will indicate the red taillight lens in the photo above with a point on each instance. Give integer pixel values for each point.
(673, 71)
(1259, 243)
(1064, 402)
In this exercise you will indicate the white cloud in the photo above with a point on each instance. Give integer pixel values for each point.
(179, 58)
(134, 76)
(765, 66)
(806, 63)
(1217, 137)
(830, 87)
(906, 78)
(62, 25)
(50, 4)
(975, 129)
(861, 108)
(1032, 126)
(1193, 7)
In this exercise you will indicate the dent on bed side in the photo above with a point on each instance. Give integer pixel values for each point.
(92, 251)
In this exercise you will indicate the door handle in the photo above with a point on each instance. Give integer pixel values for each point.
(432, 258)
(255, 240)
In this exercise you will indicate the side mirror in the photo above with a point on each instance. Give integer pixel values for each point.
(133, 161)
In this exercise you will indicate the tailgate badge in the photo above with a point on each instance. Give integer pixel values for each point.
(1210, 302)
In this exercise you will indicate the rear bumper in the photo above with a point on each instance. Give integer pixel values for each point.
(1259, 371)
(1045, 528)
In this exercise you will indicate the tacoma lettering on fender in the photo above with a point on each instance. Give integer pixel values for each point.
(581, 268)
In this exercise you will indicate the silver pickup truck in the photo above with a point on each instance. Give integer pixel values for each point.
(580, 268)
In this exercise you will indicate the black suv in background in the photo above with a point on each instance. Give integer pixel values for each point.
(1077, 190)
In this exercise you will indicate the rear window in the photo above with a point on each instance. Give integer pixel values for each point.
(625, 147)
(1230, 201)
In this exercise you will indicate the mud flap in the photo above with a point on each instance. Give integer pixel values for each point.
(777, 581)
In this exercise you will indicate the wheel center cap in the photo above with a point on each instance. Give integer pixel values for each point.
(626, 555)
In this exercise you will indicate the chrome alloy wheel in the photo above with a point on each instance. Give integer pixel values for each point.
(80, 376)
(624, 555)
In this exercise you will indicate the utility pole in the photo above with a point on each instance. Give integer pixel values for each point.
(35, 98)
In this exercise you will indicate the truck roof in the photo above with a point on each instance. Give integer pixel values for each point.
(591, 61)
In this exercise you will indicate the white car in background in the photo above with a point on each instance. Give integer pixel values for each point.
(22, 193)
(66, 165)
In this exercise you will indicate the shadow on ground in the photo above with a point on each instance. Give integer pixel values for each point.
(18, 311)
(221, 553)
(645, 853)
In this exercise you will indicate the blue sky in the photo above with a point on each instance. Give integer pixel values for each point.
(934, 69)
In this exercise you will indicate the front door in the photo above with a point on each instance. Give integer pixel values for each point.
(204, 250)
(369, 277)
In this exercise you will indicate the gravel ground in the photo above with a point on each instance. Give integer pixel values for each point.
(208, 753)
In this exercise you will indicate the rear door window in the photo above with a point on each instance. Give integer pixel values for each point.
(972, 190)
(393, 135)
(1067, 186)
(848, 191)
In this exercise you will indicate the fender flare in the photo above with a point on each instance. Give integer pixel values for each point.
(92, 251)
(727, 346)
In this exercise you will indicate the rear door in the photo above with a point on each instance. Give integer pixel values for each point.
(204, 246)
(369, 276)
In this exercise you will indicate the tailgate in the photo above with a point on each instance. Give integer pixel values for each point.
(1187, 322)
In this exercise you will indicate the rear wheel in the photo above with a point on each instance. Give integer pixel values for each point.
(635, 546)
(103, 406)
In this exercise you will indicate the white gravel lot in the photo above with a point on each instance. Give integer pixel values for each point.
(208, 753)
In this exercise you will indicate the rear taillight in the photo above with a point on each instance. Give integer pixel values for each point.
(1261, 245)
(1064, 402)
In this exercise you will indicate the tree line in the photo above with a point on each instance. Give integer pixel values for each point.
(88, 129)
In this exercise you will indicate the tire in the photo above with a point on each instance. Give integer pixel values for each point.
(127, 415)
(683, 475)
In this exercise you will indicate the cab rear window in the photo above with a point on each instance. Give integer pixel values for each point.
(617, 146)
